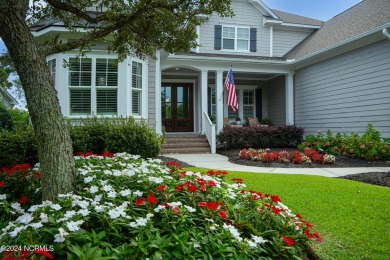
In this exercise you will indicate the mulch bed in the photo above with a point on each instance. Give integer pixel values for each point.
(375, 178)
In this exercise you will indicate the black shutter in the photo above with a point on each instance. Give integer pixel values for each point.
(253, 39)
(218, 37)
(259, 103)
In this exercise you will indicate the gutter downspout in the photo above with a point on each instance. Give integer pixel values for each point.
(386, 33)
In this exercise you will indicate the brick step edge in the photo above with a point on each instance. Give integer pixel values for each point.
(186, 145)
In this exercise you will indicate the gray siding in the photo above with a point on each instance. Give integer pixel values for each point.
(152, 94)
(284, 41)
(245, 15)
(346, 92)
(276, 92)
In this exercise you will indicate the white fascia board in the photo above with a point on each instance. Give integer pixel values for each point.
(13, 101)
(278, 24)
(263, 8)
(227, 59)
(301, 25)
(55, 29)
(342, 43)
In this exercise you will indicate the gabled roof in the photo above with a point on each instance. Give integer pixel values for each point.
(6, 95)
(296, 19)
(362, 18)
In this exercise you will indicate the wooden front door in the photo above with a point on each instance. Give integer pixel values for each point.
(177, 107)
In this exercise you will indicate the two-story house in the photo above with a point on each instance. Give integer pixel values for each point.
(291, 69)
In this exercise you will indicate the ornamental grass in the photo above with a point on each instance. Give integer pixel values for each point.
(126, 207)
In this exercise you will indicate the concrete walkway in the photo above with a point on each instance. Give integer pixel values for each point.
(220, 162)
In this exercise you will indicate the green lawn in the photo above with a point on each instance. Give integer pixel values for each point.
(352, 217)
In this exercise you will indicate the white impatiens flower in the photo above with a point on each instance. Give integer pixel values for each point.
(99, 208)
(74, 225)
(125, 193)
(251, 243)
(107, 188)
(60, 237)
(56, 207)
(259, 240)
(83, 212)
(44, 218)
(16, 231)
(190, 209)
(69, 214)
(36, 225)
(93, 189)
(25, 218)
(111, 194)
(97, 198)
(89, 179)
(174, 204)
(156, 180)
(17, 208)
(159, 208)
(3, 196)
(233, 231)
(82, 204)
(138, 193)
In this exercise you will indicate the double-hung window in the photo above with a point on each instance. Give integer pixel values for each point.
(235, 38)
(248, 103)
(93, 77)
(136, 88)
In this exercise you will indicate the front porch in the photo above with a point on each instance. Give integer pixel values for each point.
(191, 95)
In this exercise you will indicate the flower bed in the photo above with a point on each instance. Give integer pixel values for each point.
(308, 156)
(126, 207)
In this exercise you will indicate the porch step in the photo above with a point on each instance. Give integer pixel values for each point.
(185, 143)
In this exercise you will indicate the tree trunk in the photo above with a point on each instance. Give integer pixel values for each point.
(54, 143)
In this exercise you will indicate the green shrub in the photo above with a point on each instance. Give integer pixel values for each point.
(260, 137)
(115, 135)
(5, 119)
(19, 118)
(17, 147)
(369, 146)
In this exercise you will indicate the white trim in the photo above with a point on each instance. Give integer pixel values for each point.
(219, 101)
(203, 90)
(236, 27)
(52, 28)
(262, 7)
(271, 41)
(289, 81)
(197, 38)
(158, 93)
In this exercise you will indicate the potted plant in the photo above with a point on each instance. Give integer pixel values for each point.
(238, 120)
(265, 121)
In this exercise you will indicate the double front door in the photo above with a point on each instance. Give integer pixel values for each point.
(177, 107)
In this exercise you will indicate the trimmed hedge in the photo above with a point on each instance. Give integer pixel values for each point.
(115, 135)
(5, 119)
(88, 135)
(17, 147)
(260, 137)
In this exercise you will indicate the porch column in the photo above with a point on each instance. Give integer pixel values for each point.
(289, 98)
(203, 102)
(158, 94)
(219, 99)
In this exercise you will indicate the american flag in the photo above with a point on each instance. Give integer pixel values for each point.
(231, 99)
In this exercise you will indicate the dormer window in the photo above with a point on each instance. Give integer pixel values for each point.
(235, 38)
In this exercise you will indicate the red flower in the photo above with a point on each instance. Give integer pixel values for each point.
(222, 214)
(191, 188)
(23, 200)
(139, 201)
(161, 188)
(44, 253)
(318, 237)
(211, 183)
(179, 188)
(288, 241)
(203, 189)
(173, 165)
(2, 184)
(107, 154)
(37, 174)
(276, 210)
(299, 216)
(152, 199)
(175, 211)
(237, 180)
(308, 234)
(211, 206)
(202, 204)
(275, 199)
